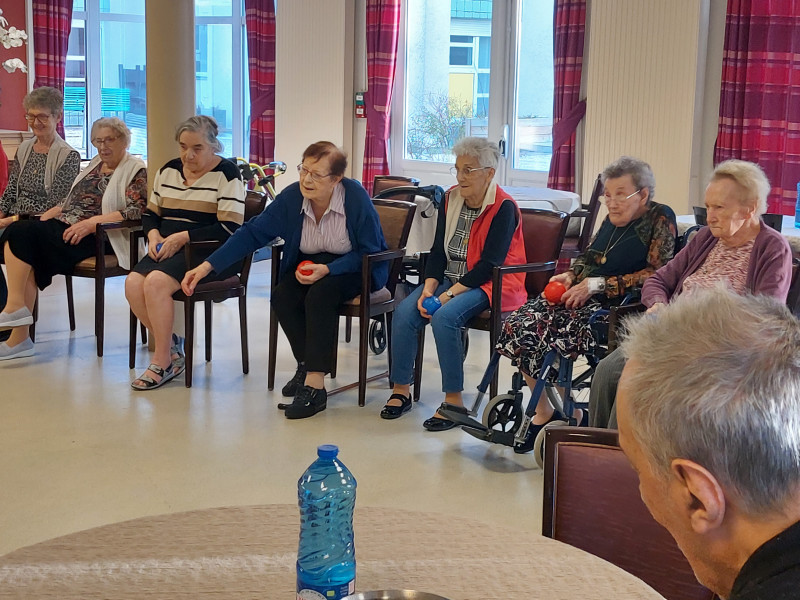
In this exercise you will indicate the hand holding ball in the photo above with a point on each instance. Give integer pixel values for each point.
(303, 271)
(431, 304)
(158, 247)
(553, 292)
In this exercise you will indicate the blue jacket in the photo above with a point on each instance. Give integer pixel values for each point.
(284, 218)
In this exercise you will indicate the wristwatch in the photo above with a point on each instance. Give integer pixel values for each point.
(449, 294)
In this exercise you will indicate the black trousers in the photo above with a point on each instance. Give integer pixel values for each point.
(309, 315)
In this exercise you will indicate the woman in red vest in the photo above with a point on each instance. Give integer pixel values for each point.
(478, 228)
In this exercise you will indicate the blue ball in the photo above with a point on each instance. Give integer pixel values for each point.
(431, 304)
(158, 246)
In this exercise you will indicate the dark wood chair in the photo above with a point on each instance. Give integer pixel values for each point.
(234, 286)
(700, 215)
(575, 245)
(544, 232)
(395, 217)
(773, 220)
(592, 502)
(385, 182)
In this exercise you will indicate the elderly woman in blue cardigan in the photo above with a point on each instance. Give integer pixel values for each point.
(329, 220)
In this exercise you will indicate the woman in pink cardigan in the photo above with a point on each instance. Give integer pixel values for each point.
(737, 249)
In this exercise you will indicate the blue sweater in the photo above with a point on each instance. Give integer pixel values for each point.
(284, 218)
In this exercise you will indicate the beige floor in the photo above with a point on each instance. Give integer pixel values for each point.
(79, 448)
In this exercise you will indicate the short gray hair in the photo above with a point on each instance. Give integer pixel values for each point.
(45, 97)
(487, 153)
(751, 179)
(115, 124)
(640, 172)
(203, 125)
(718, 383)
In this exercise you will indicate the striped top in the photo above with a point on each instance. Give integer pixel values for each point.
(723, 263)
(330, 233)
(212, 208)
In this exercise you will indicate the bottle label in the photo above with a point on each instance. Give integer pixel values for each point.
(307, 591)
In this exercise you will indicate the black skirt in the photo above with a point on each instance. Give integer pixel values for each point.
(41, 245)
(175, 266)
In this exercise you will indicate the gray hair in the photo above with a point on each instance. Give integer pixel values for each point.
(751, 179)
(718, 383)
(115, 124)
(45, 97)
(487, 153)
(640, 172)
(204, 125)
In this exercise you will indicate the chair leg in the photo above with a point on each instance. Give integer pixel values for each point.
(273, 348)
(243, 327)
(188, 310)
(418, 364)
(132, 342)
(208, 309)
(70, 302)
(99, 309)
(387, 321)
(144, 333)
(348, 329)
(363, 351)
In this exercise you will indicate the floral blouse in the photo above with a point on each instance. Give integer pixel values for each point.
(86, 198)
(31, 197)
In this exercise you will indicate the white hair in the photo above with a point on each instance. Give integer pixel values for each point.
(640, 172)
(751, 179)
(718, 382)
(487, 153)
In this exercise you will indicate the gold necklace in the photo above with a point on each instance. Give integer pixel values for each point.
(611, 237)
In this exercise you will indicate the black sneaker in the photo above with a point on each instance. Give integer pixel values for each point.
(308, 402)
(295, 383)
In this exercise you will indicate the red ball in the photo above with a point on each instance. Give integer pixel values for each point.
(553, 292)
(305, 271)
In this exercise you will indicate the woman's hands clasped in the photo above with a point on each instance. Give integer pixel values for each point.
(160, 248)
(318, 271)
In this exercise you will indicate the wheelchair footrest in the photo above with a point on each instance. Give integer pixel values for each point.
(458, 415)
(480, 431)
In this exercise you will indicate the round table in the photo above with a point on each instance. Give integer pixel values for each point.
(250, 552)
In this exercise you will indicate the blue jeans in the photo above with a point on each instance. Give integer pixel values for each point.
(447, 323)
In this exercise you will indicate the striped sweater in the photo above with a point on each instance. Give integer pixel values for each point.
(212, 208)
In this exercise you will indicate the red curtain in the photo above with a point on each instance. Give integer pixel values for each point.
(759, 112)
(568, 110)
(260, 19)
(383, 25)
(52, 21)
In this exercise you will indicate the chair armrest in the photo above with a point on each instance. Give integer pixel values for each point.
(385, 255)
(190, 248)
(616, 314)
(128, 224)
(526, 268)
(580, 213)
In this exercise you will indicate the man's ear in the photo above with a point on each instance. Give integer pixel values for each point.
(702, 497)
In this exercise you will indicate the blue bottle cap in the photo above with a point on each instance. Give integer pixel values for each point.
(327, 451)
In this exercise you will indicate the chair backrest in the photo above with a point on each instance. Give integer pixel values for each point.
(700, 214)
(396, 217)
(592, 502)
(543, 231)
(773, 220)
(793, 298)
(385, 182)
(254, 203)
(593, 209)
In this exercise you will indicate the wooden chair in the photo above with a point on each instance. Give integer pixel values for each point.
(396, 217)
(592, 502)
(385, 182)
(574, 246)
(700, 215)
(234, 286)
(544, 232)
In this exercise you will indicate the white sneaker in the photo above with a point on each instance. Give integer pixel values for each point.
(21, 350)
(18, 318)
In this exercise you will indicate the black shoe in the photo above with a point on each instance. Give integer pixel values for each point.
(308, 402)
(438, 424)
(294, 384)
(533, 431)
(391, 411)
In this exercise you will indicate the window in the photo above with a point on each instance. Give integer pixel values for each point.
(106, 70)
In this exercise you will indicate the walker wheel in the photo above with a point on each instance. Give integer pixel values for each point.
(377, 336)
(503, 413)
(538, 443)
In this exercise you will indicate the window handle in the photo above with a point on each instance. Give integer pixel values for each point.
(502, 144)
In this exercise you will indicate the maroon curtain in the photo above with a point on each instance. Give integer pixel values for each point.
(383, 25)
(260, 19)
(52, 21)
(759, 112)
(568, 110)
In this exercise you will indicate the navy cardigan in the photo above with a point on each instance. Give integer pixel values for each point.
(284, 218)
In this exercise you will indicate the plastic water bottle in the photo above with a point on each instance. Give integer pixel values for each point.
(326, 559)
(797, 208)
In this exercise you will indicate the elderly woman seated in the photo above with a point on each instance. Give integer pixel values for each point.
(330, 221)
(110, 189)
(635, 239)
(736, 248)
(197, 197)
(478, 228)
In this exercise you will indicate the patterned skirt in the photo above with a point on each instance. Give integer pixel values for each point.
(536, 327)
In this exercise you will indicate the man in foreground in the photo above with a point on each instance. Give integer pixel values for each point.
(709, 416)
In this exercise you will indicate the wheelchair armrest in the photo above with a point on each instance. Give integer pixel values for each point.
(580, 213)
(616, 314)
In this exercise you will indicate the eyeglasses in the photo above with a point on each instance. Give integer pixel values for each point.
(619, 198)
(97, 142)
(314, 176)
(466, 171)
(41, 118)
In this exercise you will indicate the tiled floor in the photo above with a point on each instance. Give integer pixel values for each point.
(80, 448)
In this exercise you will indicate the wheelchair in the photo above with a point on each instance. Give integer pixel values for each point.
(505, 421)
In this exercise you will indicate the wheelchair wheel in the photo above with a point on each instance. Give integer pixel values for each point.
(538, 443)
(377, 336)
(503, 414)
